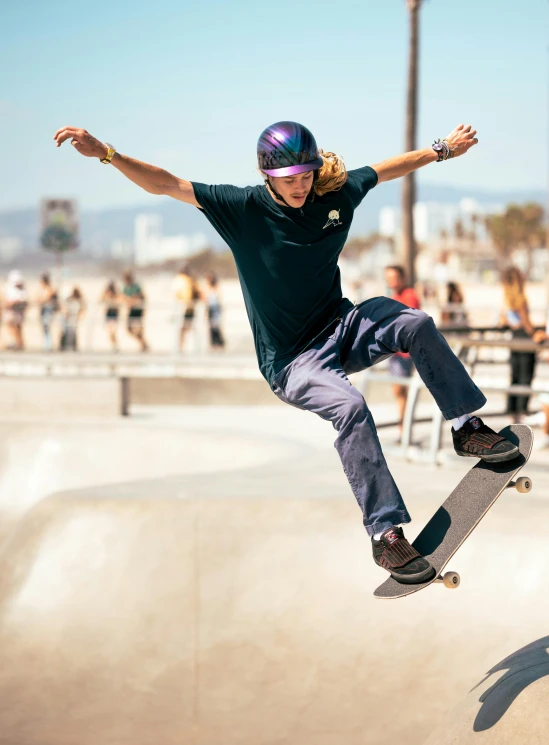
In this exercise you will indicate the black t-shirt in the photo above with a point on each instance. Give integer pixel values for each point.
(286, 260)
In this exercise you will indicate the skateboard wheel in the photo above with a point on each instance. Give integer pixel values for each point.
(523, 485)
(451, 580)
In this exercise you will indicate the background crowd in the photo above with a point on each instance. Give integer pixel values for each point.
(514, 316)
(123, 305)
(60, 314)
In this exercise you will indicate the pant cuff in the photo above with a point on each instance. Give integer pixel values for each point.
(398, 518)
(467, 408)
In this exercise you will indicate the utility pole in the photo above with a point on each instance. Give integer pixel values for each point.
(409, 184)
(547, 196)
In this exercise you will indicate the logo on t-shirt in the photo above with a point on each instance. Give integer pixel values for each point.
(333, 219)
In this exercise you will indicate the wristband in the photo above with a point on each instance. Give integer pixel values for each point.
(451, 153)
(110, 154)
(441, 149)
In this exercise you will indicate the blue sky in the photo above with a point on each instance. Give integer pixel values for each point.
(189, 85)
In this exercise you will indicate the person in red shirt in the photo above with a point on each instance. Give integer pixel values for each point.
(400, 364)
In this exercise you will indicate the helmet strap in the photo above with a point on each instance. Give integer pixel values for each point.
(269, 184)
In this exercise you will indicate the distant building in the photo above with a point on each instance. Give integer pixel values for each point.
(454, 240)
(151, 247)
(147, 238)
(389, 222)
(122, 251)
(10, 248)
(432, 220)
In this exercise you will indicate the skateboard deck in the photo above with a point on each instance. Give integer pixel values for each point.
(456, 519)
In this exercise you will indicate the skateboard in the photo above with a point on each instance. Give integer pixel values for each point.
(460, 514)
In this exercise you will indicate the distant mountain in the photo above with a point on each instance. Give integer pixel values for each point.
(99, 228)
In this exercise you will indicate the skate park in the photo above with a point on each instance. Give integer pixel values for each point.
(200, 573)
(183, 561)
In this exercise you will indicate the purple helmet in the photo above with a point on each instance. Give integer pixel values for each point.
(287, 148)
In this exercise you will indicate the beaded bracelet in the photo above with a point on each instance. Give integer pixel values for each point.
(451, 152)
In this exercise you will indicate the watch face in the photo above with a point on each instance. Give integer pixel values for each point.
(438, 147)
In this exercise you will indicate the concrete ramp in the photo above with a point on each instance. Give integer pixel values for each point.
(40, 458)
(205, 580)
(152, 613)
(172, 620)
(97, 631)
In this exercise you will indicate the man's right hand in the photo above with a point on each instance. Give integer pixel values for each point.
(81, 141)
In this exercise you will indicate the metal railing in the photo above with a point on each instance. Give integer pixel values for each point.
(244, 367)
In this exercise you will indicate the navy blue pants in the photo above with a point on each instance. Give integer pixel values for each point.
(317, 381)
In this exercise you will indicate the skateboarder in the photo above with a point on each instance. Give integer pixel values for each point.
(286, 236)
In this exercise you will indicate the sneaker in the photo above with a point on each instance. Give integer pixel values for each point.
(476, 440)
(402, 561)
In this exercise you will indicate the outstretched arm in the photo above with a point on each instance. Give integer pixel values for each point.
(460, 141)
(152, 179)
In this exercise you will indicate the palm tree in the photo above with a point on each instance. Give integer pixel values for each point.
(409, 185)
(520, 226)
(497, 227)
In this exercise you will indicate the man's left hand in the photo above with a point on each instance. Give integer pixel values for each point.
(461, 139)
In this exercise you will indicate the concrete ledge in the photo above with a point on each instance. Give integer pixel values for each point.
(63, 397)
(200, 392)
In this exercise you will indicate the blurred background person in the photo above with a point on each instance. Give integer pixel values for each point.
(400, 364)
(111, 301)
(15, 304)
(72, 311)
(429, 292)
(213, 303)
(48, 303)
(515, 315)
(187, 294)
(134, 298)
(454, 314)
(542, 443)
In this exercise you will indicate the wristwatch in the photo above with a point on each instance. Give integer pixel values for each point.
(110, 153)
(438, 147)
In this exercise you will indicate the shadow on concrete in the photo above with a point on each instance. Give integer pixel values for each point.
(523, 668)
